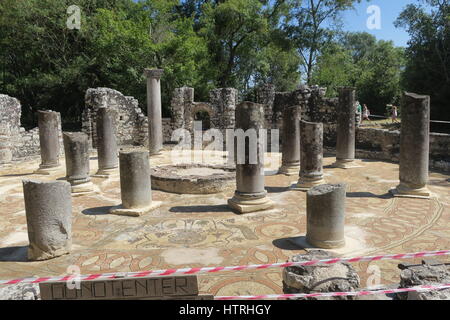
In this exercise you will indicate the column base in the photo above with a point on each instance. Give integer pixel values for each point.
(404, 191)
(346, 164)
(105, 173)
(289, 170)
(247, 205)
(83, 189)
(47, 171)
(304, 184)
(135, 212)
(326, 244)
(36, 254)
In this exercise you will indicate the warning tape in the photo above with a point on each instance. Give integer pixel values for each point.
(424, 288)
(167, 272)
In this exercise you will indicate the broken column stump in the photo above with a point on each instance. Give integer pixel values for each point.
(338, 277)
(48, 208)
(325, 214)
(135, 185)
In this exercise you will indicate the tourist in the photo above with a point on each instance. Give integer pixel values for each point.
(366, 113)
(358, 113)
(394, 114)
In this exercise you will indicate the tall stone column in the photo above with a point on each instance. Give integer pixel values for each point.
(311, 159)
(414, 146)
(76, 149)
(290, 159)
(345, 130)
(250, 194)
(108, 159)
(49, 142)
(48, 209)
(325, 215)
(135, 185)
(154, 112)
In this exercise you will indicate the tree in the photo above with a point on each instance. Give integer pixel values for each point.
(428, 54)
(359, 60)
(48, 66)
(309, 31)
(239, 36)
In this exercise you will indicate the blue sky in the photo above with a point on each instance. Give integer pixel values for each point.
(355, 20)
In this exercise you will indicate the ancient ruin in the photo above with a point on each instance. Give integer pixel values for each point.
(108, 159)
(200, 194)
(325, 214)
(414, 147)
(48, 207)
(311, 156)
(135, 185)
(76, 150)
(49, 141)
(250, 194)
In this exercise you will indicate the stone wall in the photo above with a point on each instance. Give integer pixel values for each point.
(383, 144)
(130, 122)
(15, 141)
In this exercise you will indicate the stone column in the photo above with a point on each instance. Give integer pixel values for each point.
(250, 194)
(345, 130)
(76, 149)
(311, 159)
(290, 160)
(414, 146)
(154, 111)
(49, 142)
(108, 160)
(48, 209)
(325, 214)
(135, 185)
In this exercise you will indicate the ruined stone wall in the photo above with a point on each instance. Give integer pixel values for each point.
(130, 122)
(15, 141)
(383, 144)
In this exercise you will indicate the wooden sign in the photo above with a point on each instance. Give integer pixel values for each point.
(148, 288)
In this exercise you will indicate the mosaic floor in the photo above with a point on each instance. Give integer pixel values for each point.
(200, 230)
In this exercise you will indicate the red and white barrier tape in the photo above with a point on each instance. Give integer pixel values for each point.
(167, 272)
(336, 294)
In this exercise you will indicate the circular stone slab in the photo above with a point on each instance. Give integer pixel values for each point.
(193, 178)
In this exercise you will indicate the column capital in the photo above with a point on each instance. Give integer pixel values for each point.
(153, 73)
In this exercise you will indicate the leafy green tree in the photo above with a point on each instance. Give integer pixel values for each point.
(358, 59)
(428, 54)
(312, 28)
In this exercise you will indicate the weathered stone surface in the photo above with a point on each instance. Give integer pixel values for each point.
(49, 139)
(414, 146)
(346, 126)
(311, 157)
(425, 275)
(325, 213)
(76, 147)
(336, 277)
(290, 160)
(135, 184)
(193, 178)
(250, 194)
(20, 291)
(48, 207)
(129, 121)
(106, 142)
(154, 111)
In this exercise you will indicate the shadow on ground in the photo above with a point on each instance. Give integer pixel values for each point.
(14, 254)
(97, 211)
(387, 195)
(293, 243)
(200, 208)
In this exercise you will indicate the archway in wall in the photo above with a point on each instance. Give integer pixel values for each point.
(203, 113)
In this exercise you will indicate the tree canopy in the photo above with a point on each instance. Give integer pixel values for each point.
(208, 44)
